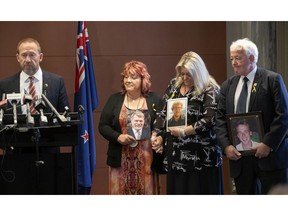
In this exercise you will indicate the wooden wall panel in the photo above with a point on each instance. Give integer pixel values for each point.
(158, 44)
(55, 38)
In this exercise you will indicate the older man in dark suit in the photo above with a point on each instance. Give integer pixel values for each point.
(266, 92)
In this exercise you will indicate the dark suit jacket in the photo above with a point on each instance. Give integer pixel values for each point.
(55, 90)
(272, 99)
(146, 133)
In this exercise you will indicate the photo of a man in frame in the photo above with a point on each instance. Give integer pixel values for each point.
(178, 118)
(244, 134)
(137, 128)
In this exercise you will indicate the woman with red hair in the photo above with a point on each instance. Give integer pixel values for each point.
(133, 163)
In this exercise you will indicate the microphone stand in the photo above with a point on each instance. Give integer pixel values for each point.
(14, 112)
(62, 118)
(36, 139)
(66, 113)
(38, 162)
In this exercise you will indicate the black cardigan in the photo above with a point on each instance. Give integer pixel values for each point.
(109, 127)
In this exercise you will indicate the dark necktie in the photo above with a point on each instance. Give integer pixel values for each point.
(32, 92)
(241, 105)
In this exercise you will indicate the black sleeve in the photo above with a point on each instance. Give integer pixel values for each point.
(109, 123)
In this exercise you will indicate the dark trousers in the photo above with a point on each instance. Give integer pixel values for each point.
(250, 177)
(205, 181)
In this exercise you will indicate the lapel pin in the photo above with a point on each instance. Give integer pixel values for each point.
(254, 87)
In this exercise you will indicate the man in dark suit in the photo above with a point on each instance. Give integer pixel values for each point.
(26, 161)
(266, 93)
(29, 56)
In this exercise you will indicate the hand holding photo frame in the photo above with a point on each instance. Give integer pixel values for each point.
(177, 112)
(245, 131)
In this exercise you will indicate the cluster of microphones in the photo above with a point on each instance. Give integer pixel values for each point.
(14, 100)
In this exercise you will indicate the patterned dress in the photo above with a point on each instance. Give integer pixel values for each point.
(193, 163)
(135, 176)
(195, 151)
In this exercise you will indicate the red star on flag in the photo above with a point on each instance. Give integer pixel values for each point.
(85, 136)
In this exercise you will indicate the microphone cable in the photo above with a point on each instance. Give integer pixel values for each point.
(7, 174)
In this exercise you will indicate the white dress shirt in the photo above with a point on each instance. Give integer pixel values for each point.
(24, 85)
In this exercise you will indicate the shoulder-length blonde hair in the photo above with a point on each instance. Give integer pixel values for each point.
(140, 69)
(196, 67)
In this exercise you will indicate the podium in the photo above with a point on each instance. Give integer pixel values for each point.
(26, 164)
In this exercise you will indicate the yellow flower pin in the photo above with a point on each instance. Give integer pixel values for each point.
(254, 87)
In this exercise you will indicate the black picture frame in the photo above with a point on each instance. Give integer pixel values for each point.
(255, 122)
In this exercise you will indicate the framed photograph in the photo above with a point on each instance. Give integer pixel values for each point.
(138, 125)
(245, 131)
(177, 112)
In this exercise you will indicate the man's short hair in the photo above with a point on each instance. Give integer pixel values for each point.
(177, 103)
(243, 122)
(137, 113)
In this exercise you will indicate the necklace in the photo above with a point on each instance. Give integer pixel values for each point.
(133, 100)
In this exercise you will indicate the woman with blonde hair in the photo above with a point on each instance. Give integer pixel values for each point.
(193, 159)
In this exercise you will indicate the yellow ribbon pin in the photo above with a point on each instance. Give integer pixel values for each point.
(254, 87)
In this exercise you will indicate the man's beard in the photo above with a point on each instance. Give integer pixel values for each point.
(29, 70)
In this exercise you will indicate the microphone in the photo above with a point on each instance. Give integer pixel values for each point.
(81, 110)
(30, 120)
(45, 88)
(60, 117)
(40, 106)
(13, 100)
(67, 113)
(3, 104)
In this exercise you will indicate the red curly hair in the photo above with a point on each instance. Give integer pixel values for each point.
(136, 67)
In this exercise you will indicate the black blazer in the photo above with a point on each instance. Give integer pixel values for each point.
(272, 99)
(53, 85)
(109, 127)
